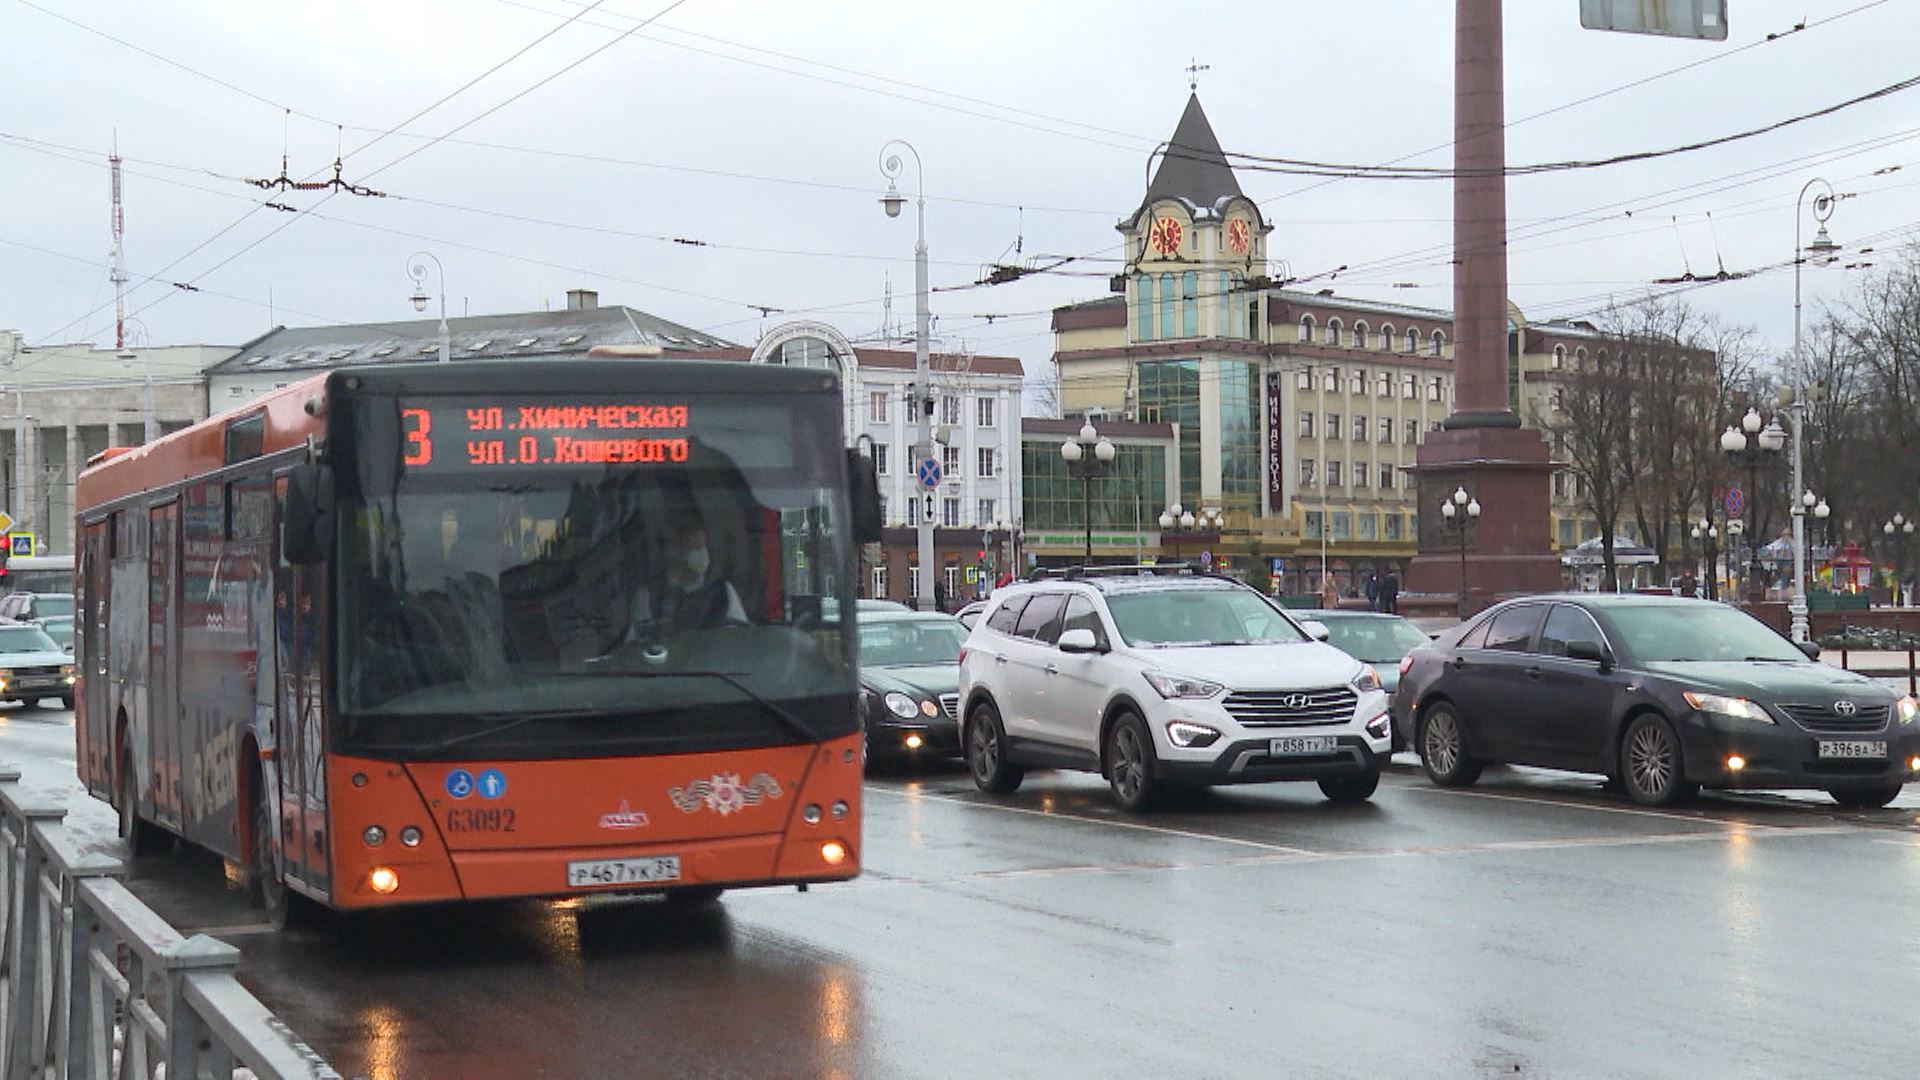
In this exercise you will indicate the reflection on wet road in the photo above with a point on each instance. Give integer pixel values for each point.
(1532, 925)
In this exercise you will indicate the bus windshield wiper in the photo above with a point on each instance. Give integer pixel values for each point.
(778, 711)
(506, 721)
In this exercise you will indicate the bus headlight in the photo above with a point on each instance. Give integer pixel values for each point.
(833, 852)
(383, 880)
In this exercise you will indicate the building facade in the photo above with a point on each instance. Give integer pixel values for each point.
(62, 404)
(1299, 411)
(975, 505)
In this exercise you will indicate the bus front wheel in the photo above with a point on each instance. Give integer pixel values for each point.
(141, 837)
(269, 891)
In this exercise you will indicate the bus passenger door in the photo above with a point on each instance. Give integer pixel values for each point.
(293, 769)
(163, 667)
(93, 721)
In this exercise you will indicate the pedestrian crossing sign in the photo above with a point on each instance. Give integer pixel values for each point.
(20, 544)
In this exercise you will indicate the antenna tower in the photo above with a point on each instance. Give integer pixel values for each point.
(119, 271)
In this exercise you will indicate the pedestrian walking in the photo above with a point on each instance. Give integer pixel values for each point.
(1390, 593)
(1373, 593)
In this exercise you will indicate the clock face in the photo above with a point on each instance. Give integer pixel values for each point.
(1239, 235)
(1165, 236)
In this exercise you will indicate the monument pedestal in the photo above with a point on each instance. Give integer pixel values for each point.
(1509, 548)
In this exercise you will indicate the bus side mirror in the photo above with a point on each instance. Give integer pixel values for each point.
(307, 521)
(863, 496)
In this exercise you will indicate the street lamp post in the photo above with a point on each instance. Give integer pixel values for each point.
(1088, 457)
(891, 166)
(1176, 516)
(1750, 443)
(1899, 530)
(1706, 533)
(1822, 250)
(417, 270)
(1459, 514)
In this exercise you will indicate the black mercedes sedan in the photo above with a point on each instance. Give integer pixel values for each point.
(910, 683)
(1661, 695)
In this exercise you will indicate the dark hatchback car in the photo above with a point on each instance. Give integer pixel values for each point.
(1661, 695)
(910, 683)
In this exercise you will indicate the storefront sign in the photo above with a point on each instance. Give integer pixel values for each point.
(1276, 463)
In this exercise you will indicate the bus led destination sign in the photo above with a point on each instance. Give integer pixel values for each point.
(494, 433)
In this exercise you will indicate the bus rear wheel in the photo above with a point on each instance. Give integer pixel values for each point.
(141, 837)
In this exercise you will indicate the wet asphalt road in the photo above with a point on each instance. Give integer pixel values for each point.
(1532, 926)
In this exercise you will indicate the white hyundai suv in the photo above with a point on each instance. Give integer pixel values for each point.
(1151, 676)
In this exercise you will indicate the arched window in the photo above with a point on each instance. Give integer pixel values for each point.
(1239, 303)
(807, 352)
(1579, 359)
(1437, 344)
(1306, 328)
(1413, 339)
(1166, 305)
(1559, 357)
(1190, 304)
(1333, 331)
(1359, 335)
(1143, 307)
(1386, 337)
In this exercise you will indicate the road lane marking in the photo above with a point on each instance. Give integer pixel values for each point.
(1133, 825)
(1595, 807)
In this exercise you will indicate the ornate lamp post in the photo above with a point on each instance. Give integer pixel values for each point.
(1748, 444)
(1822, 251)
(417, 270)
(1458, 515)
(1088, 457)
(892, 166)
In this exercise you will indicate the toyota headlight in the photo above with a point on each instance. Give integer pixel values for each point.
(1180, 686)
(1739, 708)
(1367, 681)
(901, 705)
(1907, 708)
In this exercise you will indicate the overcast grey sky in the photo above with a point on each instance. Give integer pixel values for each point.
(755, 128)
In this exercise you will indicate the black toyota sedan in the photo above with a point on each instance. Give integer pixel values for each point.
(910, 683)
(1662, 695)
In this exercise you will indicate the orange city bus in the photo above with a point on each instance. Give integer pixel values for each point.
(431, 632)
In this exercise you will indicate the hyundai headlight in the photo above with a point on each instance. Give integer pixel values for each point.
(1180, 686)
(1184, 734)
(1367, 681)
(1739, 708)
(901, 705)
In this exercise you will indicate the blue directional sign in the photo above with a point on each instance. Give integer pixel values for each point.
(493, 784)
(459, 783)
(929, 472)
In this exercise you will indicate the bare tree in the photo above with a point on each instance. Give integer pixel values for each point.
(1593, 419)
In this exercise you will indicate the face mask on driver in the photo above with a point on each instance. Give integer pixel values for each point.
(697, 561)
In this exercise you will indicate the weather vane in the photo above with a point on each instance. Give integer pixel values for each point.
(1193, 69)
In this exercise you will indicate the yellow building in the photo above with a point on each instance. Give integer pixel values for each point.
(1296, 410)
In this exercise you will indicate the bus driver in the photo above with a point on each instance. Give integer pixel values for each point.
(690, 596)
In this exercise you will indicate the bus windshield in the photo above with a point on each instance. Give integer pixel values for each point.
(585, 593)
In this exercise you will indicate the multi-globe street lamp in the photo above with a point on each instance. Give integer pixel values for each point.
(1750, 443)
(1899, 530)
(1709, 535)
(1088, 458)
(1458, 515)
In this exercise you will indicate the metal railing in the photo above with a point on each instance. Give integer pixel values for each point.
(94, 984)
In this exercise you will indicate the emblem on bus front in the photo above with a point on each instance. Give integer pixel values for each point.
(723, 793)
(625, 818)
